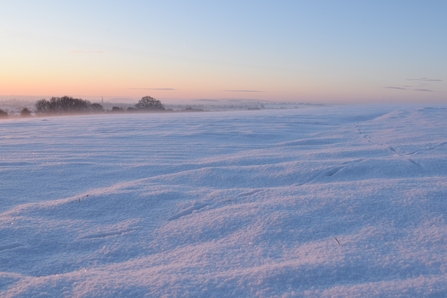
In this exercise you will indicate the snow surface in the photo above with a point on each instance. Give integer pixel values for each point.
(341, 201)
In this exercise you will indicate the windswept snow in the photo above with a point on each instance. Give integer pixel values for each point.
(346, 201)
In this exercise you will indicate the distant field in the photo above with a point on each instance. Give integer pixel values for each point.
(344, 201)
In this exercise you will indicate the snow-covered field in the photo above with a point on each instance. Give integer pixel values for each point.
(341, 201)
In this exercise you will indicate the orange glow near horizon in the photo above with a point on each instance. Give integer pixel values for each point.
(311, 53)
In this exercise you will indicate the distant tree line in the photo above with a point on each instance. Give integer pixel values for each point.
(145, 104)
(66, 104)
(149, 103)
(25, 112)
(70, 105)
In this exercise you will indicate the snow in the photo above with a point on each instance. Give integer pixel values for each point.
(330, 201)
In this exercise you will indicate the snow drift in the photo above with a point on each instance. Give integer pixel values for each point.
(327, 201)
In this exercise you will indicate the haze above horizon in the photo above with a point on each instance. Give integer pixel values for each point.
(304, 51)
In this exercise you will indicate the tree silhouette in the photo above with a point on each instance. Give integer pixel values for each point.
(63, 104)
(70, 104)
(149, 103)
(96, 107)
(117, 110)
(25, 112)
(3, 114)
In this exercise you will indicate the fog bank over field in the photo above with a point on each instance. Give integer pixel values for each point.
(13, 105)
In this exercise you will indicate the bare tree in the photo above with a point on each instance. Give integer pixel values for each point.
(117, 110)
(43, 106)
(149, 103)
(25, 112)
(63, 104)
(96, 107)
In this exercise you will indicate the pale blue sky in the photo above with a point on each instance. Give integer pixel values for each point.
(313, 51)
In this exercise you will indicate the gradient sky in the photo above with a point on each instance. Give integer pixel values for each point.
(304, 51)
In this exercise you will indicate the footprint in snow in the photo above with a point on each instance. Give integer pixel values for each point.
(105, 234)
(333, 171)
(194, 207)
(10, 246)
(249, 193)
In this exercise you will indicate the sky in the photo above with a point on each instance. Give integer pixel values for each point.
(301, 51)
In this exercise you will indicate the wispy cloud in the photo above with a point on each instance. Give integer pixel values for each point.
(425, 80)
(254, 91)
(156, 89)
(423, 90)
(396, 88)
(420, 85)
(87, 52)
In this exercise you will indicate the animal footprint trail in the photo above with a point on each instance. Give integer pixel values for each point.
(393, 149)
(333, 171)
(415, 163)
(430, 148)
(105, 234)
(364, 136)
(188, 211)
(10, 246)
(249, 193)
